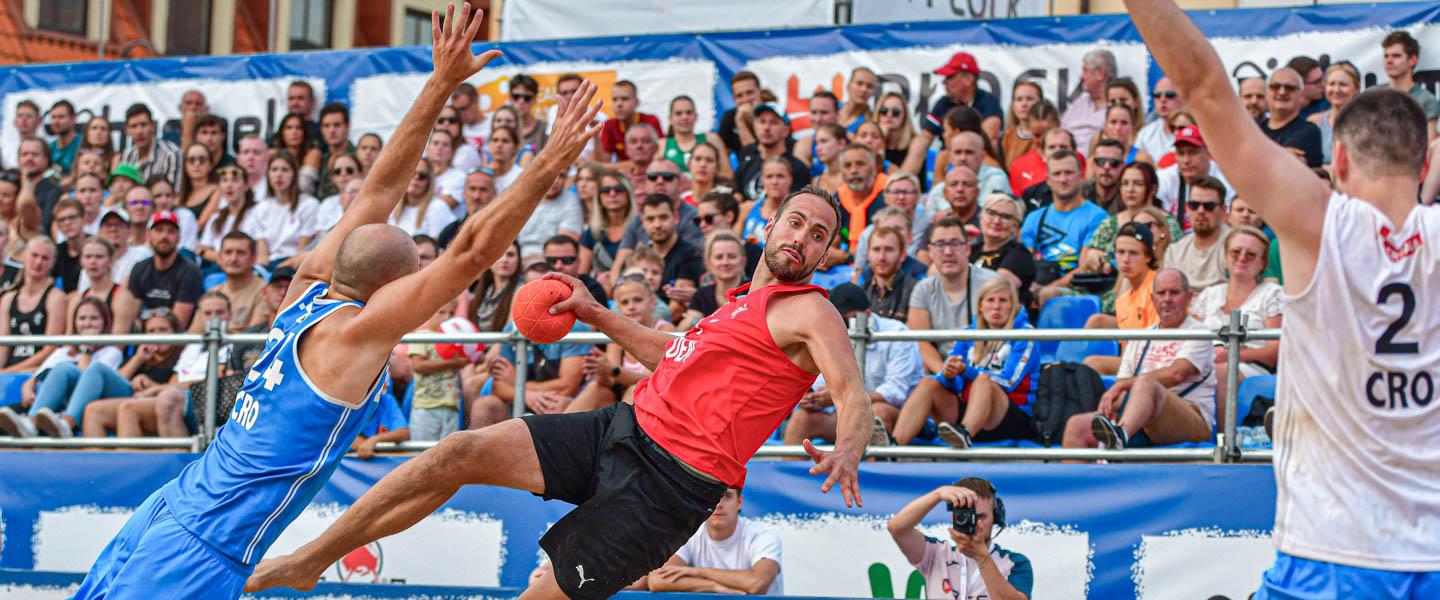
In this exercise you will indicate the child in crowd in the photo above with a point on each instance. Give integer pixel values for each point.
(435, 407)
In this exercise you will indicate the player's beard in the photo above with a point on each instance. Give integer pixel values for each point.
(782, 268)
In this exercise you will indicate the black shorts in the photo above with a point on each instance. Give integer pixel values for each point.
(1015, 425)
(635, 505)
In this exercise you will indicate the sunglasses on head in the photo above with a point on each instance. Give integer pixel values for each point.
(1165, 95)
(612, 189)
(1205, 206)
(522, 97)
(668, 177)
(561, 260)
(10, 176)
(1107, 162)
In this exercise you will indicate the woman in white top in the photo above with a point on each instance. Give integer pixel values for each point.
(503, 145)
(343, 168)
(467, 156)
(47, 392)
(449, 184)
(1259, 303)
(419, 212)
(285, 219)
(236, 202)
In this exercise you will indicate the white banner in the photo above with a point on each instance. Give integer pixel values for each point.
(556, 19)
(893, 11)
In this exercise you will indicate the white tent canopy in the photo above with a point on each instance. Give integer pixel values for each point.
(556, 19)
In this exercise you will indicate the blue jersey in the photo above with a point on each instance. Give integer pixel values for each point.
(283, 440)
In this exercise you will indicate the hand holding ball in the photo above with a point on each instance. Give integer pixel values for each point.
(531, 311)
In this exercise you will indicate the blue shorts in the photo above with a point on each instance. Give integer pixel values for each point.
(1303, 579)
(154, 557)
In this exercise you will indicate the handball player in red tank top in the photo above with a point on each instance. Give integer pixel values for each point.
(644, 477)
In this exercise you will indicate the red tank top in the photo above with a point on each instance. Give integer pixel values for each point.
(723, 388)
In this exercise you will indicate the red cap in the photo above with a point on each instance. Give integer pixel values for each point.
(164, 216)
(1189, 134)
(962, 62)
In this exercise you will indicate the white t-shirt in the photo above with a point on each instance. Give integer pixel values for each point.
(108, 355)
(120, 269)
(1264, 302)
(475, 135)
(437, 216)
(279, 226)
(950, 574)
(451, 183)
(1150, 355)
(193, 360)
(1356, 466)
(750, 544)
(189, 229)
(1169, 190)
(466, 159)
(329, 213)
(210, 238)
(1154, 139)
(550, 216)
(503, 181)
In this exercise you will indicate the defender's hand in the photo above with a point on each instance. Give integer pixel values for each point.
(454, 61)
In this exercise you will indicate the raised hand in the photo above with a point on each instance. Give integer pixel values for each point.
(454, 60)
(574, 125)
(841, 468)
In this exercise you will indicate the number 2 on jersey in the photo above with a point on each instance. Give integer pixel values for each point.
(1387, 344)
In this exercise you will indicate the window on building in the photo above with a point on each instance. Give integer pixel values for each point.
(417, 29)
(66, 16)
(309, 24)
(188, 31)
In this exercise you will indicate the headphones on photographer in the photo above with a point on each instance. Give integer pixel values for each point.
(999, 505)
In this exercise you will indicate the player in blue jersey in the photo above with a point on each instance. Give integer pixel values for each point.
(324, 367)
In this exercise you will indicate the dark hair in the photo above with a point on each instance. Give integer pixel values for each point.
(44, 147)
(827, 96)
(950, 221)
(334, 108)
(215, 294)
(107, 318)
(421, 238)
(468, 90)
(65, 203)
(522, 80)
(670, 127)
(1131, 231)
(740, 76)
(447, 134)
(1044, 110)
(1206, 182)
(158, 178)
(1062, 154)
(277, 141)
(292, 195)
(135, 110)
(562, 240)
(185, 189)
(1152, 179)
(1384, 132)
(1403, 38)
(209, 120)
(377, 137)
(1303, 65)
(724, 202)
(965, 118)
(506, 295)
(657, 200)
(301, 83)
(627, 83)
(1109, 143)
(236, 207)
(98, 180)
(65, 104)
(236, 234)
(822, 194)
(563, 78)
(30, 103)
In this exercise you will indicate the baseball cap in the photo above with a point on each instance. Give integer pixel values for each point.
(770, 107)
(113, 211)
(848, 297)
(164, 216)
(1190, 134)
(126, 170)
(1139, 232)
(961, 62)
(281, 273)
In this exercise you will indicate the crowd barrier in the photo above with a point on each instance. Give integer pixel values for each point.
(1226, 450)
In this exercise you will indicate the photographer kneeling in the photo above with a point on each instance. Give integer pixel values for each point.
(971, 568)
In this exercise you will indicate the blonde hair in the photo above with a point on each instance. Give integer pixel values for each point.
(983, 351)
(721, 235)
(428, 195)
(598, 219)
(1015, 203)
(1258, 235)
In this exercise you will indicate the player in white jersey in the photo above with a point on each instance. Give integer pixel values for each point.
(1357, 445)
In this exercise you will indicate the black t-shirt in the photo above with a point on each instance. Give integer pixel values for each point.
(683, 262)
(67, 268)
(447, 234)
(1298, 133)
(1013, 257)
(747, 179)
(596, 290)
(984, 103)
(47, 193)
(182, 282)
(704, 301)
(728, 132)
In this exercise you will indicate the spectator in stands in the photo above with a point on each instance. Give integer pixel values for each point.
(1284, 125)
(1252, 94)
(1342, 83)
(562, 253)
(27, 123)
(1120, 127)
(869, 135)
(861, 197)
(947, 299)
(624, 104)
(166, 200)
(254, 157)
(587, 185)
(49, 390)
(1137, 186)
(982, 385)
(772, 138)
(600, 244)
(718, 211)
(66, 140)
(1030, 171)
(682, 221)
(449, 181)
(1134, 307)
(367, 149)
(683, 266)
(151, 366)
(1085, 117)
(99, 137)
(681, 138)
(729, 555)
(967, 149)
(887, 286)
(70, 223)
(388, 425)
(558, 213)
(613, 371)
(139, 206)
(9, 191)
(986, 569)
(474, 127)
(467, 157)
(893, 115)
(426, 248)
(1166, 388)
(1402, 53)
(419, 212)
(776, 180)
(1018, 138)
(300, 100)
(523, 96)
(235, 201)
(502, 151)
(1201, 253)
(1241, 215)
(97, 257)
(166, 410)
(37, 187)
(1192, 161)
(479, 192)
(115, 228)
(829, 142)
(900, 219)
(961, 75)
(1259, 303)
(491, 295)
(725, 265)
(241, 285)
(264, 313)
(704, 169)
(962, 194)
(1161, 225)
(663, 177)
(1058, 231)
(1106, 160)
(334, 141)
(293, 137)
(642, 147)
(1124, 92)
(736, 125)
(34, 306)
(344, 168)
(210, 132)
(1312, 99)
(647, 263)
(859, 91)
(285, 219)
(435, 406)
(1155, 139)
(166, 280)
(197, 195)
(152, 156)
(902, 192)
(89, 161)
(999, 250)
(824, 110)
(555, 372)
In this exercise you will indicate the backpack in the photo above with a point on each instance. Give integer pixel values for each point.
(1065, 390)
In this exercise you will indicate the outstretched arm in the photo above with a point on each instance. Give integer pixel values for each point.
(645, 344)
(1280, 188)
(383, 188)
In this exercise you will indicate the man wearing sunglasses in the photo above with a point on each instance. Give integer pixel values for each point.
(1285, 96)
(1200, 254)
(1155, 138)
(562, 253)
(1192, 160)
(335, 131)
(1103, 188)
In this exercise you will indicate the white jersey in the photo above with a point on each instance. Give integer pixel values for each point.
(1357, 435)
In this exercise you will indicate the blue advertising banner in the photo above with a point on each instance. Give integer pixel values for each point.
(1097, 531)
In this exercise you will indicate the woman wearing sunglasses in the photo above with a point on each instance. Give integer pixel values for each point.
(1246, 257)
(600, 241)
(894, 118)
(523, 96)
(199, 185)
(343, 169)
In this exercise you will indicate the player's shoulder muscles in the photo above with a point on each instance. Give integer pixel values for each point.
(803, 317)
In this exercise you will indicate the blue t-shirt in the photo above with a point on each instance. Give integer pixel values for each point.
(388, 417)
(1064, 233)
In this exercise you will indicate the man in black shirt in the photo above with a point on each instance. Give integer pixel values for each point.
(165, 280)
(962, 74)
(563, 254)
(772, 138)
(683, 267)
(745, 88)
(479, 191)
(70, 220)
(1284, 124)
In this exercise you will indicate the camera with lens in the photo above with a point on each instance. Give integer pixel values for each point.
(962, 518)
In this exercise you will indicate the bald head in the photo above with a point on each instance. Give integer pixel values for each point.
(372, 256)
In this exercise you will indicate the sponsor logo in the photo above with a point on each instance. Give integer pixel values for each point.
(1395, 253)
(361, 565)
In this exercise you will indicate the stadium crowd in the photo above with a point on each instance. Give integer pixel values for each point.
(972, 215)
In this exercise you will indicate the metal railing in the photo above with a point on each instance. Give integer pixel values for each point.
(1226, 450)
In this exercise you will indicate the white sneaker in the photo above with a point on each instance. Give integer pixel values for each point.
(17, 425)
(879, 436)
(52, 424)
